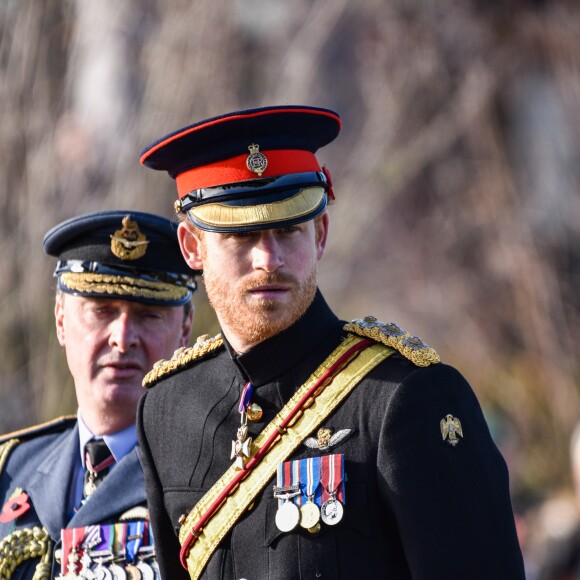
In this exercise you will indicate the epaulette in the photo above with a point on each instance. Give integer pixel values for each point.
(183, 358)
(54, 425)
(393, 336)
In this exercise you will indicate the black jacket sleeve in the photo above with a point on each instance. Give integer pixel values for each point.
(451, 502)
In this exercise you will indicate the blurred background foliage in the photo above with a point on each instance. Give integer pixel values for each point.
(456, 174)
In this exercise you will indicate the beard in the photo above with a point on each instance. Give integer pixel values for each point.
(254, 320)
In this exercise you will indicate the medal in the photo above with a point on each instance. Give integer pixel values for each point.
(133, 573)
(102, 572)
(147, 572)
(72, 552)
(288, 516)
(118, 572)
(332, 510)
(310, 472)
(242, 446)
(309, 514)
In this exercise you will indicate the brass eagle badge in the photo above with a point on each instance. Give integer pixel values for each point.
(450, 429)
(129, 243)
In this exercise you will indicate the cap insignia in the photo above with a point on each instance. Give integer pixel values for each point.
(393, 336)
(129, 243)
(450, 429)
(256, 161)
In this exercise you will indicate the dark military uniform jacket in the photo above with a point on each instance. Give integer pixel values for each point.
(416, 506)
(42, 465)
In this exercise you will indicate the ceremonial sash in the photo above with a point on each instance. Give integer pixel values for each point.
(219, 509)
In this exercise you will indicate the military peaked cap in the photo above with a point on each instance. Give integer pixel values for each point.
(249, 170)
(126, 255)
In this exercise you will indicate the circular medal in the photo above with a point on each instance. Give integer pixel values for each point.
(118, 572)
(133, 573)
(147, 572)
(254, 412)
(331, 512)
(309, 515)
(287, 517)
(102, 573)
(89, 488)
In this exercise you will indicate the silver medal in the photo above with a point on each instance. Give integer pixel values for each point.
(147, 572)
(287, 516)
(118, 572)
(102, 572)
(331, 512)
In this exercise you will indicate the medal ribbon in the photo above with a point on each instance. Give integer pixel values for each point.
(135, 539)
(333, 477)
(245, 397)
(288, 474)
(120, 537)
(72, 538)
(310, 478)
(100, 466)
(92, 537)
(107, 538)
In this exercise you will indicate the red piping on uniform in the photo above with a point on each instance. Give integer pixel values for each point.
(253, 462)
(232, 118)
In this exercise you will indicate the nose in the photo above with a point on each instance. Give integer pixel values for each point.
(124, 335)
(267, 253)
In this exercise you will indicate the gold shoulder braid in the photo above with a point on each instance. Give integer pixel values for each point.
(183, 358)
(22, 545)
(394, 336)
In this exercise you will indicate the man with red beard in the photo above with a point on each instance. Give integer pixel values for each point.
(72, 491)
(295, 445)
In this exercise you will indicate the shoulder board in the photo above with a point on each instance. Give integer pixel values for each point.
(59, 424)
(183, 358)
(393, 336)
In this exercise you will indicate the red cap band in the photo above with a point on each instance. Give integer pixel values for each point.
(280, 162)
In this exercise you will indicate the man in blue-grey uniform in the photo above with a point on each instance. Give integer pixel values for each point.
(72, 493)
(295, 445)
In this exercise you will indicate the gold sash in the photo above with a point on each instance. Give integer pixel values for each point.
(313, 414)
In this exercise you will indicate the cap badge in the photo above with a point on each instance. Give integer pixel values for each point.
(450, 429)
(256, 161)
(129, 243)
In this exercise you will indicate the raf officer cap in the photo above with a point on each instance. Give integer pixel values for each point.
(125, 255)
(249, 170)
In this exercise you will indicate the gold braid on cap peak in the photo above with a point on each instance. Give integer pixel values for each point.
(121, 285)
(394, 336)
(183, 358)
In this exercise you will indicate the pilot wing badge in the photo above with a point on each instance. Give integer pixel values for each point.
(325, 439)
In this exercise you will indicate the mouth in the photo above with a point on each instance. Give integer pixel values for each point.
(122, 368)
(269, 291)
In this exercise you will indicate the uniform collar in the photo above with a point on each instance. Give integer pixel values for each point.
(119, 443)
(275, 356)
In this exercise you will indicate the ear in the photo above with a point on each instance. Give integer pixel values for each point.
(190, 244)
(186, 328)
(321, 226)
(59, 319)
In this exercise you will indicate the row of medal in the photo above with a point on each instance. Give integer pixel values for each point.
(121, 551)
(310, 491)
